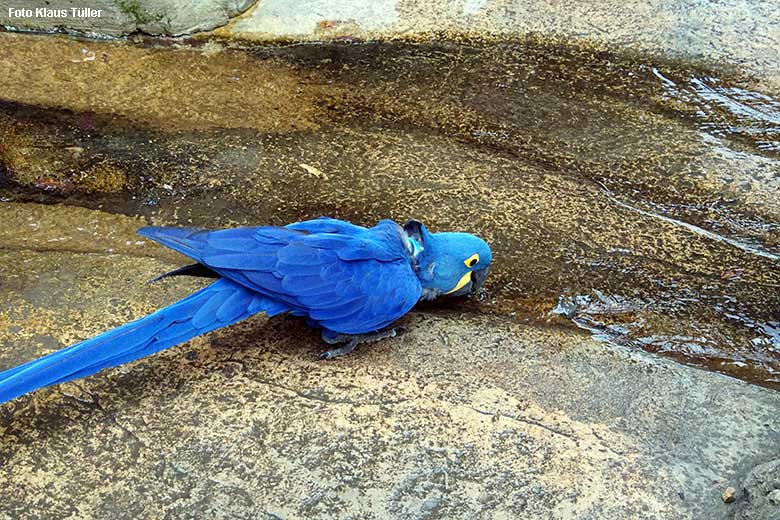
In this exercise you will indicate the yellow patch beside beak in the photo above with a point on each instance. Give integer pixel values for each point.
(463, 281)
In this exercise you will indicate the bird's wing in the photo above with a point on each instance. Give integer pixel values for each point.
(327, 225)
(348, 279)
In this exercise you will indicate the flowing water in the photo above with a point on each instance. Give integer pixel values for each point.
(634, 198)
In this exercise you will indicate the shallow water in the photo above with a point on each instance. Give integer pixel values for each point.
(637, 200)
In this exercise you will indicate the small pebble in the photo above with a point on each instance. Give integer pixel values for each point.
(728, 495)
(774, 497)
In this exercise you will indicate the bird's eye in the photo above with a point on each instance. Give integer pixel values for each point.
(472, 260)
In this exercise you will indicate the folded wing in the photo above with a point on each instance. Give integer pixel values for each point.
(347, 278)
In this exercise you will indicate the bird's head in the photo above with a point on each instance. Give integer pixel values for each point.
(451, 264)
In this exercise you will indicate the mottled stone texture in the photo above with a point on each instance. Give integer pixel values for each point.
(564, 160)
(760, 493)
(461, 417)
(741, 33)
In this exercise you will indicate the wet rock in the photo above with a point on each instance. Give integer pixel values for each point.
(748, 41)
(223, 152)
(246, 419)
(728, 495)
(545, 420)
(567, 306)
(646, 25)
(774, 497)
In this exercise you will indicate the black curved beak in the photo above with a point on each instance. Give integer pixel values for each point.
(474, 285)
(478, 278)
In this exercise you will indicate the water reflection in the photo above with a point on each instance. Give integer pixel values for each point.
(724, 110)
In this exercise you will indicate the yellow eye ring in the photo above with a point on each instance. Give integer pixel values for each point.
(472, 260)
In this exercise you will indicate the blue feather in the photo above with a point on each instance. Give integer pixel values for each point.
(274, 236)
(243, 243)
(234, 306)
(165, 328)
(333, 312)
(235, 260)
(327, 225)
(344, 278)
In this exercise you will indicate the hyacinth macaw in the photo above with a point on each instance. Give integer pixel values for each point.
(352, 282)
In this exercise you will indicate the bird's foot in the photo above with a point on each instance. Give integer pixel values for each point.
(340, 351)
(353, 340)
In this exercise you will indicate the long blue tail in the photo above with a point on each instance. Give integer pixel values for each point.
(220, 304)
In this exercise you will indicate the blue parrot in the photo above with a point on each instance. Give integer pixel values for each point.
(350, 281)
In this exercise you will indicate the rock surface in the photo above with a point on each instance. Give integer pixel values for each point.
(483, 409)
(652, 214)
(762, 493)
(739, 33)
(744, 33)
(461, 417)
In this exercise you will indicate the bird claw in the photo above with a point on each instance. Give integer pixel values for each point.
(352, 341)
(397, 331)
(341, 351)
